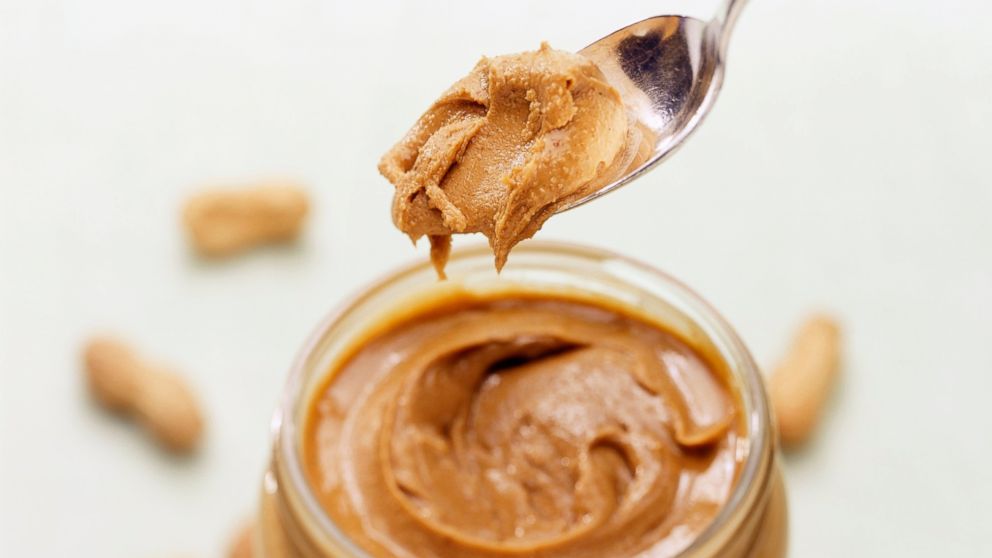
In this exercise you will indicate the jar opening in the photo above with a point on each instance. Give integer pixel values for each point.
(535, 267)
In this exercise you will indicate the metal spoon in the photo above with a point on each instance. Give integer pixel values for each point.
(669, 70)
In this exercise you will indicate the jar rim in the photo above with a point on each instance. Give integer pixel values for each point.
(750, 385)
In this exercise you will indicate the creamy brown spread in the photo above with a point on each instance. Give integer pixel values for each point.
(504, 148)
(524, 425)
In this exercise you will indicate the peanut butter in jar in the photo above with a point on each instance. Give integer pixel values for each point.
(578, 404)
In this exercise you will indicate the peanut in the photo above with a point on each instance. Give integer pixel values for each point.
(157, 398)
(224, 222)
(242, 546)
(801, 383)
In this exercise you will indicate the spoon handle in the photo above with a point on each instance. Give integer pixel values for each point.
(724, 21)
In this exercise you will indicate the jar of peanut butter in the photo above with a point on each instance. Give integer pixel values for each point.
(577, 404)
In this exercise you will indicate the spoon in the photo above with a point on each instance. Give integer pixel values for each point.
(668, 70)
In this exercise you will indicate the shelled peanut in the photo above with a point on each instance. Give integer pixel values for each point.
(222, 222)
(801, 383)
(157, 398)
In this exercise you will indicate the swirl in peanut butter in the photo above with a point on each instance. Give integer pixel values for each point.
(524, 426)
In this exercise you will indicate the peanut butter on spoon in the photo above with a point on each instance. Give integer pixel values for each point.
(506, 146)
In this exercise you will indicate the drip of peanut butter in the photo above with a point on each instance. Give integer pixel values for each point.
(504, 148)
(517, 427)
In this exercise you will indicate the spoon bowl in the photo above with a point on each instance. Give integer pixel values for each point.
(668, 70)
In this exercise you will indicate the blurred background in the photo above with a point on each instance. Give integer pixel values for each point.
(845, 167)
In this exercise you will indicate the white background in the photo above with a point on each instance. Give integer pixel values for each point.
(846, 166)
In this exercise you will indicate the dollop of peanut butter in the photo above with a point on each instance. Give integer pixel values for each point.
(504, 148)
(520, 426)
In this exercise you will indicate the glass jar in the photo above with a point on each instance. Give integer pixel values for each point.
(753, 522)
